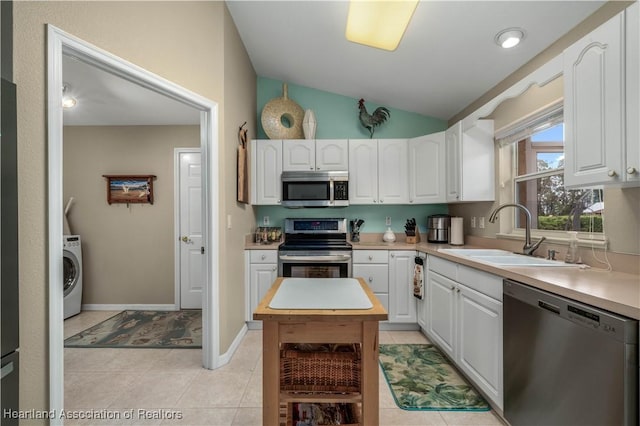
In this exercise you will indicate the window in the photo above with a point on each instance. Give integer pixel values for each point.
(539, 185)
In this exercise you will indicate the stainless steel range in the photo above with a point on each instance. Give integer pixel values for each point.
(315, 248)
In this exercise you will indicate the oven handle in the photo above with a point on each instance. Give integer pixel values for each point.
(332, 258)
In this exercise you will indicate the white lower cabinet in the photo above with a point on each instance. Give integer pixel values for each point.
(261, 270)
(373, 267)
(389, 274)
(402, 304)
(464, 318)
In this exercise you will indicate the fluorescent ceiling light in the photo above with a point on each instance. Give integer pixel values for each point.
(379, 24)
(509, 38)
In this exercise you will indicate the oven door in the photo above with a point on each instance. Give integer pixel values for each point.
(317, 264)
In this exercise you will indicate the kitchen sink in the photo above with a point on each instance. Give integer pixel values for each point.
(505, 258)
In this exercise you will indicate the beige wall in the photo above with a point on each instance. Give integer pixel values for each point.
(240, 106)
(121, 242)
(184, 42)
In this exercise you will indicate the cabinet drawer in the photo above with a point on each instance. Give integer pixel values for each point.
(370, 256)
(443, 267)
(376, 276)
(483, 282)
(263, 256)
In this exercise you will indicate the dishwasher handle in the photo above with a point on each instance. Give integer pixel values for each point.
(549, 307)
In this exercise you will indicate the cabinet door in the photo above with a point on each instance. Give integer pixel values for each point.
(427, 169)
(363, 171)
(480, 341)
(262, 276)
(476, 172)
(453, 139)
(298, 154)
(393, 171)
(266, 167)
(632, 166)
(594, 106)
(375, 275)
(441, 312)
(332, 154)
(402, 304)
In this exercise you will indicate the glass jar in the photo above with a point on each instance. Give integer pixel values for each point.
(572, 251)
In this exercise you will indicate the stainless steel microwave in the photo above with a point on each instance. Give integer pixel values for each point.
(315, 188)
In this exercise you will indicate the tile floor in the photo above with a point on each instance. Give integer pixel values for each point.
(168, 383)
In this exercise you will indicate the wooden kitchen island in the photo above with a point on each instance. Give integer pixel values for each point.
(311, 325)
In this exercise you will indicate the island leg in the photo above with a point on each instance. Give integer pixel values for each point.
(370, 392)
(270, 373)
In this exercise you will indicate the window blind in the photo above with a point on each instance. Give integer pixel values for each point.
(540, 120)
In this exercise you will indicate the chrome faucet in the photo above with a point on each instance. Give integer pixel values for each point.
(528, 248)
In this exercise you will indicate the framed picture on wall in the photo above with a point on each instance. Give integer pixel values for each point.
(129, 188)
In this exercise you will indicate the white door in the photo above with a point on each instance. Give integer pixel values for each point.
(332, 154)
(190, 211)
(453, 139)
(441, 312)
(298, 154)
(266, 168)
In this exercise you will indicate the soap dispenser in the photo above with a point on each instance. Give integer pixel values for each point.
(389, 236)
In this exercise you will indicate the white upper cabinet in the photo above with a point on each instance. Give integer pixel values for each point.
(393, 171)
(470, 174)
(632, 166)
(332, 154)
(594, 106)
(363, 171)
(309, 154)
(427, 169)
(266, 168)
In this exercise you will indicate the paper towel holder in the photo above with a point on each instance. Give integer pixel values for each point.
(456, 231)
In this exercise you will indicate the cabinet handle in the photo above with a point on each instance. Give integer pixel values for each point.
(612, 173)
(375, 201)
(453, 287)
(381, 200)
(311, 168)
(278, 202)
(631, 170)
(411, 201)
(370, 279)
(458, 290)
(275, 268)
(370, 257)
(263, 257)
(393, 255)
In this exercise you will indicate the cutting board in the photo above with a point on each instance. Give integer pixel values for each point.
(320, 293)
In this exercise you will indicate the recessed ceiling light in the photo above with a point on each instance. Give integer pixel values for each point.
(509, 37)
(68, 101)
(379, 24)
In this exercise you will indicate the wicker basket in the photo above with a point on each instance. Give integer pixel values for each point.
(327, 372)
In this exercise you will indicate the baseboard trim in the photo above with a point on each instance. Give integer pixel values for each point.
(226, 357)
(128, 307)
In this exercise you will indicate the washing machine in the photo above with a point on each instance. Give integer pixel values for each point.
(72, 281)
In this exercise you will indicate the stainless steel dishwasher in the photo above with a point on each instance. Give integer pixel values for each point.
(566, 363)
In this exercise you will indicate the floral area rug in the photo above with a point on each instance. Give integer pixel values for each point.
(143, 329)
(421, 378)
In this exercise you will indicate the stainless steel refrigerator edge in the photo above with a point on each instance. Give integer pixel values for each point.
(9, 337)
(567, 363)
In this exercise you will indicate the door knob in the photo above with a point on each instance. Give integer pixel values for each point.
(370, 279)
(185, 239)
(612, 173)
(631, 170)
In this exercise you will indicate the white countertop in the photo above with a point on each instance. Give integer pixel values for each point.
(320, 293)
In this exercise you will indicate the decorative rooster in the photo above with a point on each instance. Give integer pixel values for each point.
(371, 121)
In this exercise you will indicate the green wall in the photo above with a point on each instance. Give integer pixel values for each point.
(337, 115)
(337, 118)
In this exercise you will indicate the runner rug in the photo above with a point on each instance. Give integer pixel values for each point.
(143, 329)
(421, 378)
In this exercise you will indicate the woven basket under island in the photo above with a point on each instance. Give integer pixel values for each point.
(317, 358)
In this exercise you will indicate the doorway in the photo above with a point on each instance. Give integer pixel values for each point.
(60, 44)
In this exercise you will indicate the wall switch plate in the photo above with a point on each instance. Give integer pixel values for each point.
(388, 221)
(481, 222)
(473, 221)
(265, 220)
